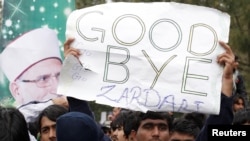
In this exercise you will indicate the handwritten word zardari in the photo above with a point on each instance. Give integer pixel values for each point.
(134, 94)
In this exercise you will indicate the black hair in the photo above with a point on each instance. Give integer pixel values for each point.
(185, 126)
(119, 120)
(52, 112)
(130, 123)
(13, 126)
(154, 115)
(197, 118)
(236, 98)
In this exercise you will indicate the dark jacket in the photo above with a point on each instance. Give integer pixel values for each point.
(76, 126)
(225, 117)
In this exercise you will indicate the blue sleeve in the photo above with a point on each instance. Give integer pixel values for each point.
(78, 105)
(225, 117)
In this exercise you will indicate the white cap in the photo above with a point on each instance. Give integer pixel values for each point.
(34, 46)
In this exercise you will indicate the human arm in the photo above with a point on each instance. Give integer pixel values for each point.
(227, 60)
(77, 105)
(225, 117)
(226, 113)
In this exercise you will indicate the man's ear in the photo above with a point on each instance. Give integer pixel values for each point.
(132, 135)
(14, 90)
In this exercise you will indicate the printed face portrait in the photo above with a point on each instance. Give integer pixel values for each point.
(37, 83)
(32, 64)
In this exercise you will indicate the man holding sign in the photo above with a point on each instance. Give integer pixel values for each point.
(112, 61)
(225, 116)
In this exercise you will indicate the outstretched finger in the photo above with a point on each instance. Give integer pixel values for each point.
(228, 51)
(67, 43)
(226, 47)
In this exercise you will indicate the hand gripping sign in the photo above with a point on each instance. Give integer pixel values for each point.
(147, 56)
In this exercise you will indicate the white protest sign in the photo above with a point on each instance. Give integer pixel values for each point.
(147, 56)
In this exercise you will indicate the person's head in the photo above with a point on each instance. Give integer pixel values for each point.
(197, 118)
(32, 63)
(152, 126)
(76, 126)
(115, 112)
(117, 127)
(130, 125)
(13, 126)
(238, 102)
(184, 130)
(106, 128)
(236, 63)
(47, 122)
(242, 117)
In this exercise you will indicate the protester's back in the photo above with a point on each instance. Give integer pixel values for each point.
(77, 126)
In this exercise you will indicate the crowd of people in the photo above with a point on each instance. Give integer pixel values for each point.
(47, 116)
